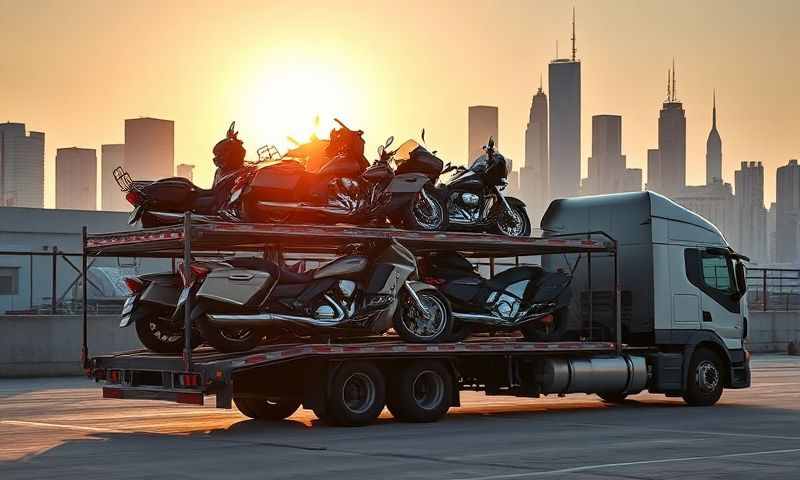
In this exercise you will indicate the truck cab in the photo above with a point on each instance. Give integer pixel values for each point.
(682, 286)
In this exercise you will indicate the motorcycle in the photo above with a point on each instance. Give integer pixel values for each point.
(354, 295)
(156, 304)
(525, 298)
(335, 184)
(473, 196)
(163, 202)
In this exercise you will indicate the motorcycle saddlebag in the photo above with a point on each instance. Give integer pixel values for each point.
(236, 286)
(171, 194)
(277, 183)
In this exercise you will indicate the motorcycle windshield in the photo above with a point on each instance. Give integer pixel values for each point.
(403, 152)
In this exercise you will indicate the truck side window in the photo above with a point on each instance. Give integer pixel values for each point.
(713, 274)
(717, 272)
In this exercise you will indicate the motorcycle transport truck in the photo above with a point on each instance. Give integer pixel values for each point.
(657, 304)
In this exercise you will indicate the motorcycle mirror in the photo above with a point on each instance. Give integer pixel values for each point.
(231, 133)
(423, 135)
(341, 124)
(381, 148)
(389, 141)
(491, 142)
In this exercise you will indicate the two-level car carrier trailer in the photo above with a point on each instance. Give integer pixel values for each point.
(350, 382)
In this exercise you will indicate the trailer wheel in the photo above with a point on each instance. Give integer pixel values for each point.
(706, 379)
(423, 392)
(613, 397)
(357, 395)
(267, 409)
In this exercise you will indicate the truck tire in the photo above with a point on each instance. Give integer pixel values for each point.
(267, 410)
(357, 395)
(422, 392)
(705, 380)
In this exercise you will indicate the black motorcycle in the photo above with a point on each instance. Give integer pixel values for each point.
(525, 298)
(330, 181)
(163, 202)
(354, 295)
(473, 196)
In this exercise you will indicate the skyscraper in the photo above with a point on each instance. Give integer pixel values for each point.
(653, 170)
(564, 76)
(76, 178)
(671, 142)
(21, 167)
(607, 164)
(483, 123)
(751, 239)
(534, 176)
(714, 150)
(149, 148)
(111, 157)
(787, 216)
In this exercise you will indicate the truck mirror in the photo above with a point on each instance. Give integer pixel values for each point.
(741, 279)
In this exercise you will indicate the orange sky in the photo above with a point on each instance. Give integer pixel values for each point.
(76, 69)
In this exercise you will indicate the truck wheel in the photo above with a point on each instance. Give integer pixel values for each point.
(267, 410)
(423, 392)
(229, 340)
(158, 333)
(417, 327)
(357, 395)
(706, 379)
(613, 397)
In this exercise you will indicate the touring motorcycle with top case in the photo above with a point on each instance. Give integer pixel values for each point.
(163, 202)
(524, 298)
(473, 196)
(354, 295)
(330, 181)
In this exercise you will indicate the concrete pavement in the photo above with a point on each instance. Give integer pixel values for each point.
(61, 428)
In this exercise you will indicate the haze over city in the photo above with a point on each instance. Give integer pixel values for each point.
(76, 70)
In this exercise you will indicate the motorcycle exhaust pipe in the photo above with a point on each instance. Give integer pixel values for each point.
(266, 319)
(297, 207)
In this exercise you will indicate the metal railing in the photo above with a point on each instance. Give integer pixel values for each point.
(773, 289)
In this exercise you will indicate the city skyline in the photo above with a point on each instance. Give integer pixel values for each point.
(195, 77)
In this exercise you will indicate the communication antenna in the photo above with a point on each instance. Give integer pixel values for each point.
(540, 81)
(669, 88)
(674, 83)
(573, 34)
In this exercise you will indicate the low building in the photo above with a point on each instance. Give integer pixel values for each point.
(28, 239)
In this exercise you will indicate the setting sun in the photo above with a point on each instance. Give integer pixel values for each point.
(285, 99)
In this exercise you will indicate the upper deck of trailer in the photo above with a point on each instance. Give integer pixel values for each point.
(218, 237)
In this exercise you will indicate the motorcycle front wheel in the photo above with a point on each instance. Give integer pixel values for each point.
(415, 326)
(514, 223)
(427, 212)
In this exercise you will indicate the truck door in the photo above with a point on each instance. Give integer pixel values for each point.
(713, 274)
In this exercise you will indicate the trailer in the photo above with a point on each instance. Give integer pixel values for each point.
(349, 382)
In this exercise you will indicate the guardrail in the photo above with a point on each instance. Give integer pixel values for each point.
(773, 289)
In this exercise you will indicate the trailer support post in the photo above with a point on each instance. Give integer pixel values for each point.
(84, 338)
(187, 274)
(617, 300)
(54, 284)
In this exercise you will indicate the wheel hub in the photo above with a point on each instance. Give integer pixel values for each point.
(707, 376)
(358, 393)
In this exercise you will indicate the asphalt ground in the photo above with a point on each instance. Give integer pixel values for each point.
(63, 429)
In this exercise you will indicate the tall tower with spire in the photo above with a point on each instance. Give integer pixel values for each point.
(713, 149)
(671, 157)
(565, 123)
(534, 176)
